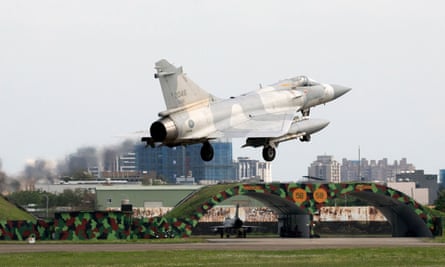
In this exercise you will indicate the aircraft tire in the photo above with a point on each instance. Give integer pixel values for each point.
(305, 138)
(207, 152)
(269, 153)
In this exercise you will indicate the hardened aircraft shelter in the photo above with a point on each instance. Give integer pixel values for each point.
(295, 204)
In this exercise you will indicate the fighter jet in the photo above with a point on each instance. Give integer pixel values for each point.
(233, 226)
(266, 117)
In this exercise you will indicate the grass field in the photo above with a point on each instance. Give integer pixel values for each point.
(433, 256)
(10, 212)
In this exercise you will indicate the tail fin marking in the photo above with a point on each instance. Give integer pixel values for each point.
(178, 90)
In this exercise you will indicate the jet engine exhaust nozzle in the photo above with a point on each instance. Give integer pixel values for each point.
(163, 130)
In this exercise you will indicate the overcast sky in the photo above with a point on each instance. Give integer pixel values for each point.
(77, 73)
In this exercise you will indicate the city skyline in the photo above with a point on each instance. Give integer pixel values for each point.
(131, 157)
(370, 170)
(80, 73)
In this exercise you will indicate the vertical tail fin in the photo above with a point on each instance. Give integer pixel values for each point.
(178, 90)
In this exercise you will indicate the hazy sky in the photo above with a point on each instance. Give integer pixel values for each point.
(76, 73)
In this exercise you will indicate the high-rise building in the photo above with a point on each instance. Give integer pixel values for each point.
(442, 178)
(349, 170)
(181, 161)
(381, 170)
(127, 162)
(120, 165)
(325, 167)
(173, 163)
(265, 171)
(168, 163)
(220, 168)
(246, 168)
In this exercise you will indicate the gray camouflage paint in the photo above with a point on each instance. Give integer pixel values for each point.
(266, 116)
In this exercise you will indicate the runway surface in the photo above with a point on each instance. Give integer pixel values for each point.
(270, 244)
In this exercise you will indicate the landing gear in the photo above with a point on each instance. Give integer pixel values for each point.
(242, 233)
(269, 153)
(206, 151)
(305, 112)
(305, 138)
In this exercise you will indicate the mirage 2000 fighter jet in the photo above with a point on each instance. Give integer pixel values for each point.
(266, 117)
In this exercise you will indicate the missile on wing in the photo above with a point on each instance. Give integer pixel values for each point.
(308, 126)
(302, 128)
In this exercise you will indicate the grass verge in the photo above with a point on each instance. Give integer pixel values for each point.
(9, 211)
(432, 256)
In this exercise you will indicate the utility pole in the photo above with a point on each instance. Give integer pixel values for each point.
(359, 165)
(47, 202)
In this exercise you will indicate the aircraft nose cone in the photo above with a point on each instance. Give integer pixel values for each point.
(340, 90)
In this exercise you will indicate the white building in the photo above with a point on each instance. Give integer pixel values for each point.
(420, 195)
(325, 167)
(127, 162)
(246, 168)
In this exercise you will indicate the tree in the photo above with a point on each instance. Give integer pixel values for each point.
(2, 181)
(23, 198)
(440, 201)
(78, 199)
(14, 185)
(69, 198)
(2, 178)
(81, 175)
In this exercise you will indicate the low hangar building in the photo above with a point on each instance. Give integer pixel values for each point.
(159, 196)
(157, 200)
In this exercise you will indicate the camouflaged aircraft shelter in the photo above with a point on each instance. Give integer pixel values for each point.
(294, 202)
(297, 202)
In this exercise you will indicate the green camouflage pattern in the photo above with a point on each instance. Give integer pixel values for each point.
(310, 203)
(95, 226)
(117, 225)
(21, 230)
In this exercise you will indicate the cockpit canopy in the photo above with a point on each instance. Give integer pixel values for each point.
(302, 80)
(298, 81)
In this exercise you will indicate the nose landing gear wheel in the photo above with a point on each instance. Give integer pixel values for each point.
(269, 153)
(206, 152)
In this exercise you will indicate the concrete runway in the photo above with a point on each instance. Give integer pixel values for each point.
(270, 244)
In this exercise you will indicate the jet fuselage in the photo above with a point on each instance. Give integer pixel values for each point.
(266, 116)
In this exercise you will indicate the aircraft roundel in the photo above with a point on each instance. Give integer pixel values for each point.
(191, 123)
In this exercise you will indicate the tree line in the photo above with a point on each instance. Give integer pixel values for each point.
(78, 200)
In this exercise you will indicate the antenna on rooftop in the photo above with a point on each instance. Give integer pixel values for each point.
(359, 165)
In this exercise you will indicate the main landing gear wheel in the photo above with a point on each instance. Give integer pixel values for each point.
(305, 138)
(269, 153)
(206, 152)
